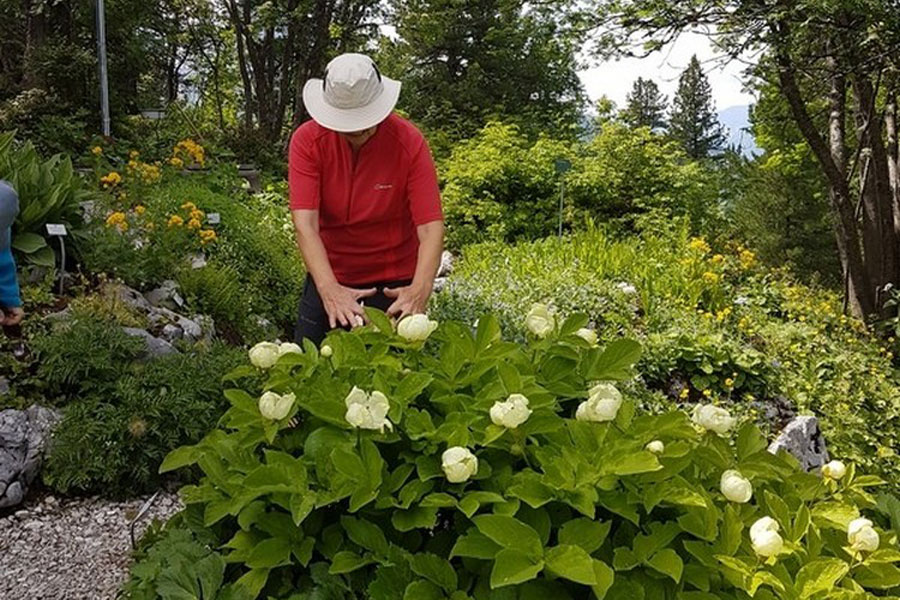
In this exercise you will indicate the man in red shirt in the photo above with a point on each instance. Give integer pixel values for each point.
(364, 199)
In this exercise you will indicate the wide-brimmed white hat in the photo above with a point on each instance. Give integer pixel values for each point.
(353, 95)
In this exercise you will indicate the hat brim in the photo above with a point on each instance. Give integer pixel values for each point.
(348, 120)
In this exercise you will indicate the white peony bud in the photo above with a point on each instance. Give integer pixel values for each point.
(264, 355)
(603, 404)
(656, 447)
(861, 536)
(834, 470)
(764, 537)
(458, 464)
(289, 348)
(275, 406)
(367, 411)
(713, 418)
(736, 487)
(540, 320)
(626, 287)
(511, 413)
(326, 351)
(416, 328)
(588, 335)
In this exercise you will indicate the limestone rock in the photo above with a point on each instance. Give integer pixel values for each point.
(446, 264)
(155, 347)
(804, 440)
(24, 437)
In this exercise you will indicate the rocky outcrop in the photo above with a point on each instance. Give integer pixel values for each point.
(24, 436)
(803, 439)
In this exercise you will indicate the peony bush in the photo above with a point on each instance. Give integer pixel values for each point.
(449, 463)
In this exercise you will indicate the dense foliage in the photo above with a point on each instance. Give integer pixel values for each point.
(500, 186)
(714, 325)
(465, 466)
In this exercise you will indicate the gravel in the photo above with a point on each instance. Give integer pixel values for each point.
(72, 549)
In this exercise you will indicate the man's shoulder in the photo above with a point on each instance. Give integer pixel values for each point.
(405, 132)
(308, 132)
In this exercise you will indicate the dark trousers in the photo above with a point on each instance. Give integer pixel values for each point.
(312, 320)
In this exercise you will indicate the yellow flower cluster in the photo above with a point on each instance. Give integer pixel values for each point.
(117, 220)
(194, 224)
(147, 172)
(175, 221)
(189, 206)
(197, 214)
(140, 209)
(96, 150)
(207, 236)
(133, 155)
(710, 277)
(111, 180)
(747, 258)
(176, 162)
(188, 148)
(699, 245)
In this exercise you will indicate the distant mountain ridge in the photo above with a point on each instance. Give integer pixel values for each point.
(736, 120)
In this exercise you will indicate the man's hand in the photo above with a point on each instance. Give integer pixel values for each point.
(11, 316)
(342, 304)
(408, 300)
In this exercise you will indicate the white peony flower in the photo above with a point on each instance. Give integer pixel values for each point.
(326, 351)
(416, 328)
(656, 447)
(713, 418)
(603, 404)
(588, 335)
(540, 321)
(834, 470)
(264, 355)
(458, 464)
(861, 536)
(511, 413)
(736, 487)
(367, 411)
(275, 406)
(289, 348)
(765, 538)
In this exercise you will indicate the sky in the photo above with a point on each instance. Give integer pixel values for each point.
(615, 78)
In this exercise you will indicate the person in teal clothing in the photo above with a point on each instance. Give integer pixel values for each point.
(11, 312)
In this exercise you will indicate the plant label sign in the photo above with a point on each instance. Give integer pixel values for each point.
(56, 229)
(214, 218)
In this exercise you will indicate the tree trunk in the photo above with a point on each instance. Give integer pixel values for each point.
(239, 30)
(893, 161)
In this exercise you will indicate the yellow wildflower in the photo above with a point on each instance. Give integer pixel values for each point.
(176, 162)
(117, 220)
(710, 277)
(97, 150)
(207, 236)
(133, 154)
(729, 382)
(188, 206)
(699, 244)
(747, 258)
(684, 393)
(111, 179)
(140, 209)
(175, 221)
(707, 393)
(197, 214)
(188, 148)
(717, 259)
(194, 224)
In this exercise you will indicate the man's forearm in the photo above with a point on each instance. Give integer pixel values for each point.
(314, 255)
(431, 245)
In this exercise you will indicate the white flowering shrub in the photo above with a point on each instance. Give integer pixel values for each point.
(472, 468)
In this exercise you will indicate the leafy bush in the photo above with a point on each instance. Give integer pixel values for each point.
(714, 325)
(500, 186)
(49, 192)
(112, 440)
(465, 476)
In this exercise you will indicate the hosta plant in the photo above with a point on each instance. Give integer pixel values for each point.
(463, 466)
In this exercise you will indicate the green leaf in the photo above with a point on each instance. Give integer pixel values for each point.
(571, 562)
(435, 569)
(422, 590)
(273, 552)
(178, 458)
(510, 533)
(488, 332)
(834, 515)
(573, 323)
(509, 377)
(368, 535)
(885, 555)
(585, 533)
(417, 517)
(379, 320)
(635, 463)
(28, 243)
(44, 257)
(779, 510)
(667, 562)
(347, 562)
(819, 576)
(616, 360)
(475, 545)
(411, 386)
(750, 440)
(252, 582)
(877, 576)
(604, 576)
(512, 567)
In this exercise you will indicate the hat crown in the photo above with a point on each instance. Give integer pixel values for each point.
(351, 81)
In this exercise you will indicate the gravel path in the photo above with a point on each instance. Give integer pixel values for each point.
(72, 549)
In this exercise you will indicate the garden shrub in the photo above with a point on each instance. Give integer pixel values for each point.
(465, 476)
(713, 324)
(113, 437)
(499, 186)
